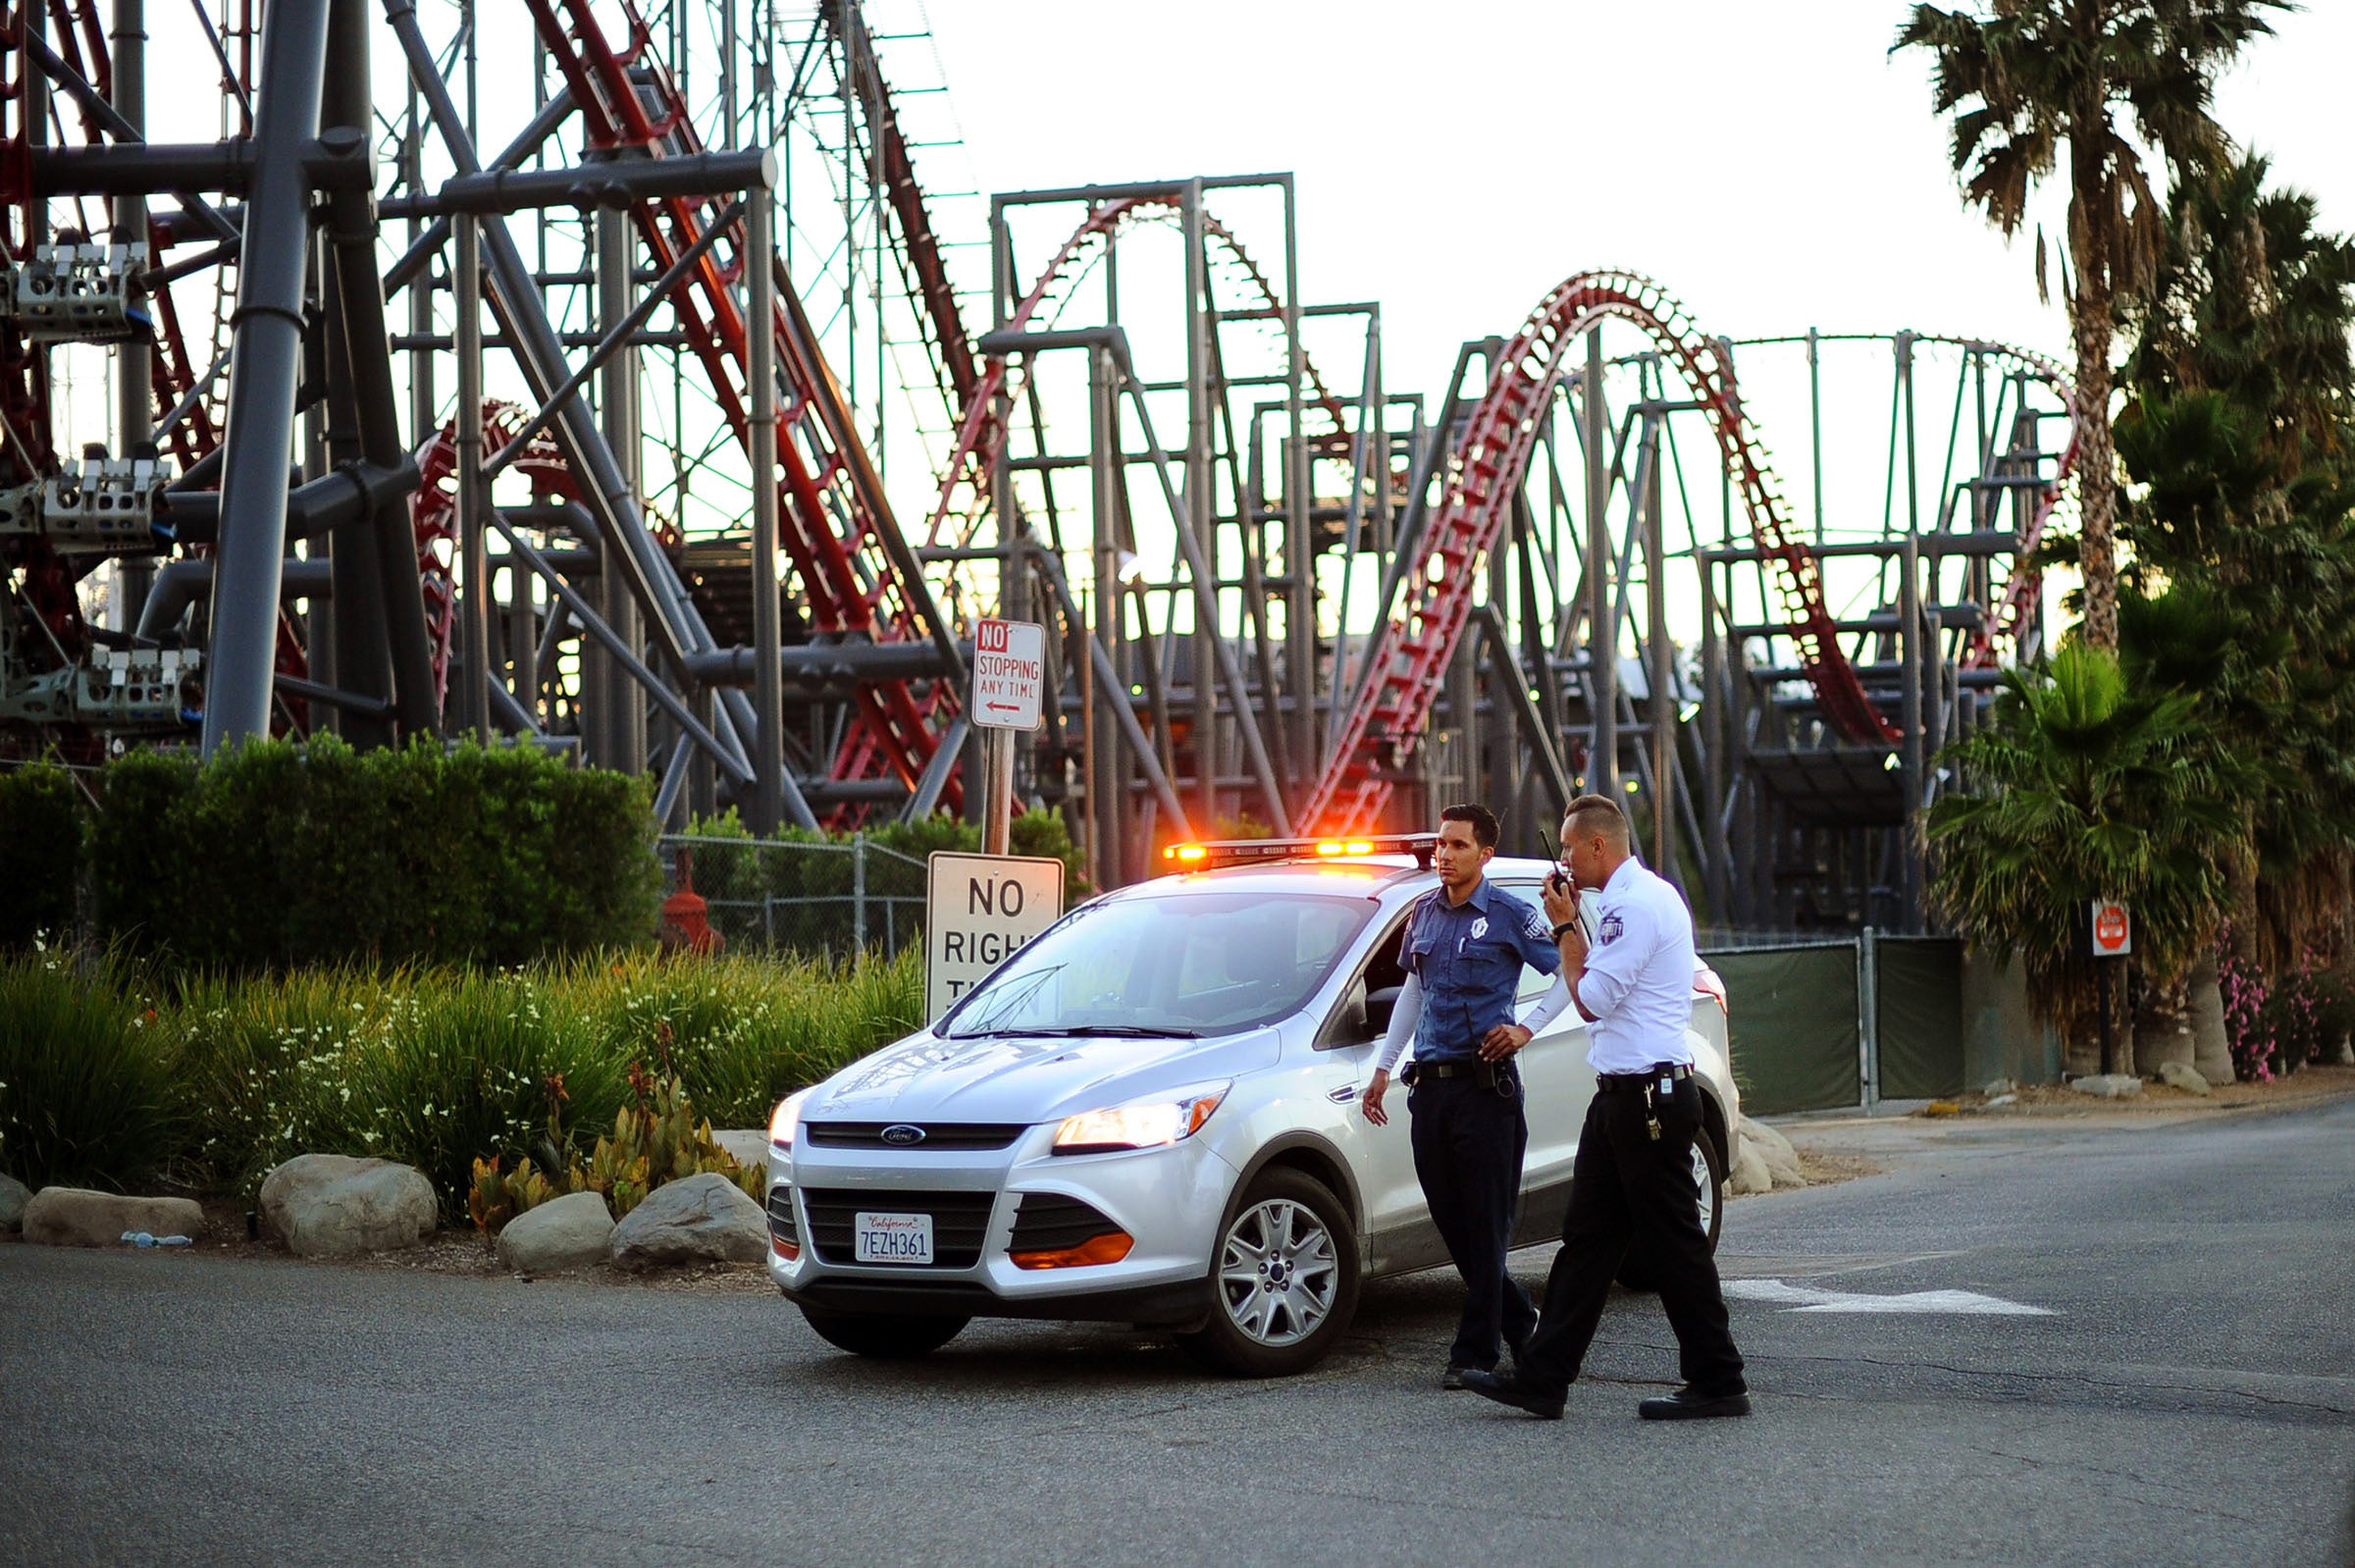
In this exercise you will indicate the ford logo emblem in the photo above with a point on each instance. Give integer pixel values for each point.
(903, 1136)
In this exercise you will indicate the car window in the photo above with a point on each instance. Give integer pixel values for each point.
(1197, 962)
(1384, 974)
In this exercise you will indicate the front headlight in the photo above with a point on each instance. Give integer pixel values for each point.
(787, 1118)
(1139, 1127)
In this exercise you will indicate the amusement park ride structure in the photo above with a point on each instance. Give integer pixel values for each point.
(1277, 589)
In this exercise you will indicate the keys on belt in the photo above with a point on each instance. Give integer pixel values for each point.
(1657, 1080)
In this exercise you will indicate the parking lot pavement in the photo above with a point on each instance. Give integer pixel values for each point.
(2181, 1393)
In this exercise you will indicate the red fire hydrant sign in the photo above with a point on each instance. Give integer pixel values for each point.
(2112, 931)
(1010, 673)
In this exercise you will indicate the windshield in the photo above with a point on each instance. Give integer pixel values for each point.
(1198, 964)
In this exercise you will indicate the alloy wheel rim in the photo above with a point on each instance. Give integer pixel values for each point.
(1708, 1188)
(1278, 1273)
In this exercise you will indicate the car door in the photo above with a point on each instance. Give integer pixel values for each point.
(1558, 1084)
(1399, 1235)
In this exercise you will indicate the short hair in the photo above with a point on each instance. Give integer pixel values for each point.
(1482, 820)
(1596, 814)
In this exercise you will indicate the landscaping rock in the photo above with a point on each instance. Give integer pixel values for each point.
(1997, 1088)
(1999, 1100)
(1749, 1174)
(13, 1195)
(566, 1233)
(73, 1217)
(1775, 1152)
(2107, 1085)
(749, 1145)
(334, 1205)
(2178, 1076)
(699, 1219)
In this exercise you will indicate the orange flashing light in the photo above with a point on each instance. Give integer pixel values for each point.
(1189, 854)
(1096, 1250)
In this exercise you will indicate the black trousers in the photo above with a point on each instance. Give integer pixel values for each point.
(1468, 1142)
(1626, 1189)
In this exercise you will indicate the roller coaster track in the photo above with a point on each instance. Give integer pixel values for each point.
(2026, 584)
(1485, 470)
(981, 434)
(853, 565)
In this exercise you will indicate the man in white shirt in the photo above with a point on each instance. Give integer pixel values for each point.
(1632, 1183)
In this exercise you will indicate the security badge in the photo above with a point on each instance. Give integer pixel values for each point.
(1480, 927)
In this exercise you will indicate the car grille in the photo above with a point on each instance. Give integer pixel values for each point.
(1049, 1222)
(781, 1223)
(960, 1221)
(936, 1134)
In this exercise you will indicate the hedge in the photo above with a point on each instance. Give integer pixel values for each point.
(277, 855)
(40, 854)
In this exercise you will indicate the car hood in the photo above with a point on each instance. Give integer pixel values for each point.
(927, 1077)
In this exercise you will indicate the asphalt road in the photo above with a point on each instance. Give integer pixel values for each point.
(2190, 1398)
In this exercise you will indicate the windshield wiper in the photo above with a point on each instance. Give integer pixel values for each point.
(1125, 1031)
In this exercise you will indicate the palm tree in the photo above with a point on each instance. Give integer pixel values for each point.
(2076, 790)
(2039, 74)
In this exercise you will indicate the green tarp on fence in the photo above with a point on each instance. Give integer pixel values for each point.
(1793, 1016)
(1921, 1017)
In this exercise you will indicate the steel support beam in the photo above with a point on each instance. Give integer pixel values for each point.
(261, 397)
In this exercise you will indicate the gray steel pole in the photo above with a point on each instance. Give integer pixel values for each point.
(135, 363)
(1299, 554)
(1197, 521)
(761, 369)
(268, 341)
(1107, 765)
(478, 604)
(1602, 625)
(1660, 678)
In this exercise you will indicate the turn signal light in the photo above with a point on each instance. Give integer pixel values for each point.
(1109, 1248)
(788, 1250)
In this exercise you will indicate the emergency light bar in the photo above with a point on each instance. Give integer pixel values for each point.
(1256, 851)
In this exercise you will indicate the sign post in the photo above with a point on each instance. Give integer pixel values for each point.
(980, 909)
(2112, 938)
(1010, 679)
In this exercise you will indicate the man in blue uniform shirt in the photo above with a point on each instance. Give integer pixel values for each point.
(1466, 942)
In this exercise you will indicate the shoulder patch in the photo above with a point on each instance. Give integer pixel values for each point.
(1611, 930)
(1535, 924)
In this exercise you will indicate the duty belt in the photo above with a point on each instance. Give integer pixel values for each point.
(1625, 1082)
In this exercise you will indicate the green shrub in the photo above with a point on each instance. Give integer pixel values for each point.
(89, 1093)
(40, 854)
(747, 1030)
(435, 1068)
(275, 856)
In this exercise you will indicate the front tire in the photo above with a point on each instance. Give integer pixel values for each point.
(1283, 1280)
(1709, 1175)
(885, 1336)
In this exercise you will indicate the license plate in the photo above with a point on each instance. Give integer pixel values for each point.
(891, 1238)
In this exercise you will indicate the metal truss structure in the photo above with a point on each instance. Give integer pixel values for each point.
(597, 437)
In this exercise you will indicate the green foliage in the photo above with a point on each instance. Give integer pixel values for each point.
(745, 1031)
(730, 867)
(277, 855)
(40, 854)
(89, 1086)
(2081, 788)
(447, 1069)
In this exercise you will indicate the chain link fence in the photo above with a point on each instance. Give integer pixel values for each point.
(808, 899)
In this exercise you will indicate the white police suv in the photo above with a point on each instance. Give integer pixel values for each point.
(1149, 1115)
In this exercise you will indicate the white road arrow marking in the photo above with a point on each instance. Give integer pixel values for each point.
(1809, 1298)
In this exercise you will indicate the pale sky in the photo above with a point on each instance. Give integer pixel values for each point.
(1770, 163)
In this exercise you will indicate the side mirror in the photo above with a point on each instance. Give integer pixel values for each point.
(1380, 1004)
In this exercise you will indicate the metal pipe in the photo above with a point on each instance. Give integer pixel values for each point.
(469, 477)
(424, 246)
(1602, 624)
(261, 397)
(761, 369)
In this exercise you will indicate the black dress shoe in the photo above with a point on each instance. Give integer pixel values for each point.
(1454, 1377)
(1690, 1404)
(1506, 1389)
